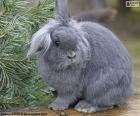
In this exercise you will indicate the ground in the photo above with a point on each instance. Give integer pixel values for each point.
(129, 109)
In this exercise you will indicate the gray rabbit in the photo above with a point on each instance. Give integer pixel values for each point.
(85, 62)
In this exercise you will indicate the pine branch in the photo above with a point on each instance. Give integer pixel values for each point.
(17, 24)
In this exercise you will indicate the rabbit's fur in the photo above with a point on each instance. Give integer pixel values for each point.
(85, 62)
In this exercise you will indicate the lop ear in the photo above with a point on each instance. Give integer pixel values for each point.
(61, 9)
(41, 39)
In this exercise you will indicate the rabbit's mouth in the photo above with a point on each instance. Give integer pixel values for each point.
(72, 63)
(69, 64)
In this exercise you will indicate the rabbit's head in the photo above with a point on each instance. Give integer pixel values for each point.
(61, 41)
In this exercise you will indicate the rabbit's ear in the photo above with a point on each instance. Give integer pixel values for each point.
(41, 39)
(61, 9)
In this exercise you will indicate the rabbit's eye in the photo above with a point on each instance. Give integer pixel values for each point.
(57, 43)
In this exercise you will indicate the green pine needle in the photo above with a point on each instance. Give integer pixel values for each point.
(18, 77)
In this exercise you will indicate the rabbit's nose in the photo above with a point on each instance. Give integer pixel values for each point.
(71, 55)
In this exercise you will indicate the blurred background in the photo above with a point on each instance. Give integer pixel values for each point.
(20, 82)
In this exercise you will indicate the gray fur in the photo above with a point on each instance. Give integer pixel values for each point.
(61, 11)
(100, 74)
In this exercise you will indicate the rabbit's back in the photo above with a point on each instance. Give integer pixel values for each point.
(106, 48)
(109, 72)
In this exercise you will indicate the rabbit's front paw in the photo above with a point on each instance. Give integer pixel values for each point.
(58, 105)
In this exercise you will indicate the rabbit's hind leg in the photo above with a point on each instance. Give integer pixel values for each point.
(85, 107)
